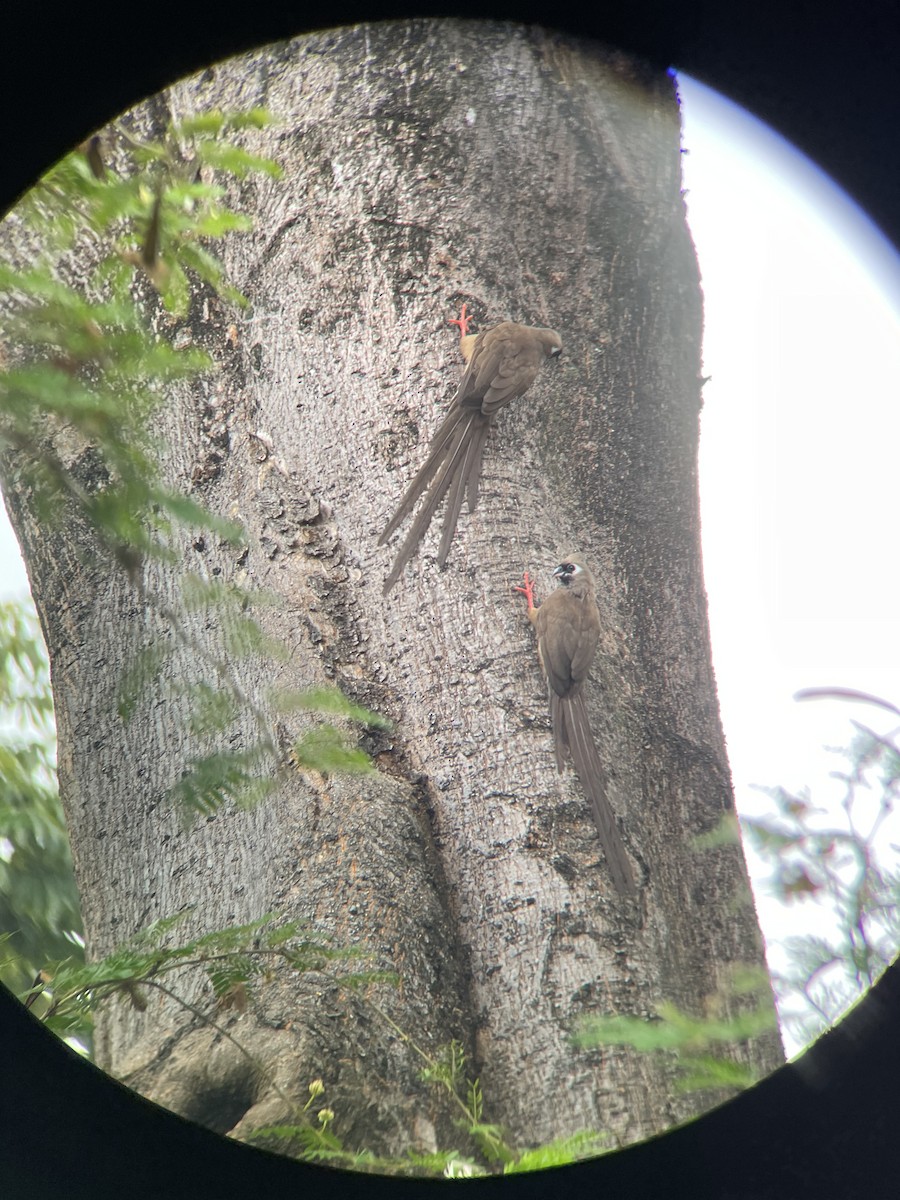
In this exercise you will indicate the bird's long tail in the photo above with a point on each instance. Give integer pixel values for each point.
(465, 482)
(572, 735)
(454, 464)
(438, 448)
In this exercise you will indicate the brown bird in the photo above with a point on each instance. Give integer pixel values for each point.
(502, 365)
(568, 630)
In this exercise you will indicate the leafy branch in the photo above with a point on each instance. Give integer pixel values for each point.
(38, 900)
(741, 1009)
(118, 237)
(233, 960)
(838, 866)
(448, 1069)
(89, 368)
(689, 1040)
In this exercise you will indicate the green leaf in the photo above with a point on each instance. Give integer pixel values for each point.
(200, 593)
(195, 515)
(155, 933)
(489, 1139)
(558, 1153)
(91, 359)
(175, 290)
(212, 709)
(206, 123)
(440, 1162)
(328, 700)
(38, 900)
(251, 118)
(235, 160)
(725, 833)
(327, 751)
(139, 674)
(283, 932)
(244, 636)
(225, 974)
(703, 1072)
(214, 224)
(216, 778)
(474, 1099)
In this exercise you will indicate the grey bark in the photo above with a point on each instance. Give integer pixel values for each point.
(537, 179)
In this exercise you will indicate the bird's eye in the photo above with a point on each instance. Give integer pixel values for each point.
(569, 568)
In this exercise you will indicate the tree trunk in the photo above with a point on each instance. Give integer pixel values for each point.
(538, 180)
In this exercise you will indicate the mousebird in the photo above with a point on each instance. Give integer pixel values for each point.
(503, 363)
(568, 630)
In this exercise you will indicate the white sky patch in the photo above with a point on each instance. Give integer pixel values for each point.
(799, 437)
(13, 579)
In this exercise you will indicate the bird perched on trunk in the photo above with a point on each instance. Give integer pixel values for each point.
(568, 630)
(502, 365)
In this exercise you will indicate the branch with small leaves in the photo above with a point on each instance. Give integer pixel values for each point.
(840, 867)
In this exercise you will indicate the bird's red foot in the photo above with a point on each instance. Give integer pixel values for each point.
(527, 589)
(463, 321)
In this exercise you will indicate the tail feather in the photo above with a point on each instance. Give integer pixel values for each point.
(465, 482)
(452, 455)
(440, 444)
(572, 732)
(473, 471)
(558, 725)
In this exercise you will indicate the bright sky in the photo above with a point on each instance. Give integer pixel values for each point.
(798, 455)
(800, 435)
(13, 580)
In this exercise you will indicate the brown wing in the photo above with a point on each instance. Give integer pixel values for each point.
(503, 366)
(584, 645)
(568, 630)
